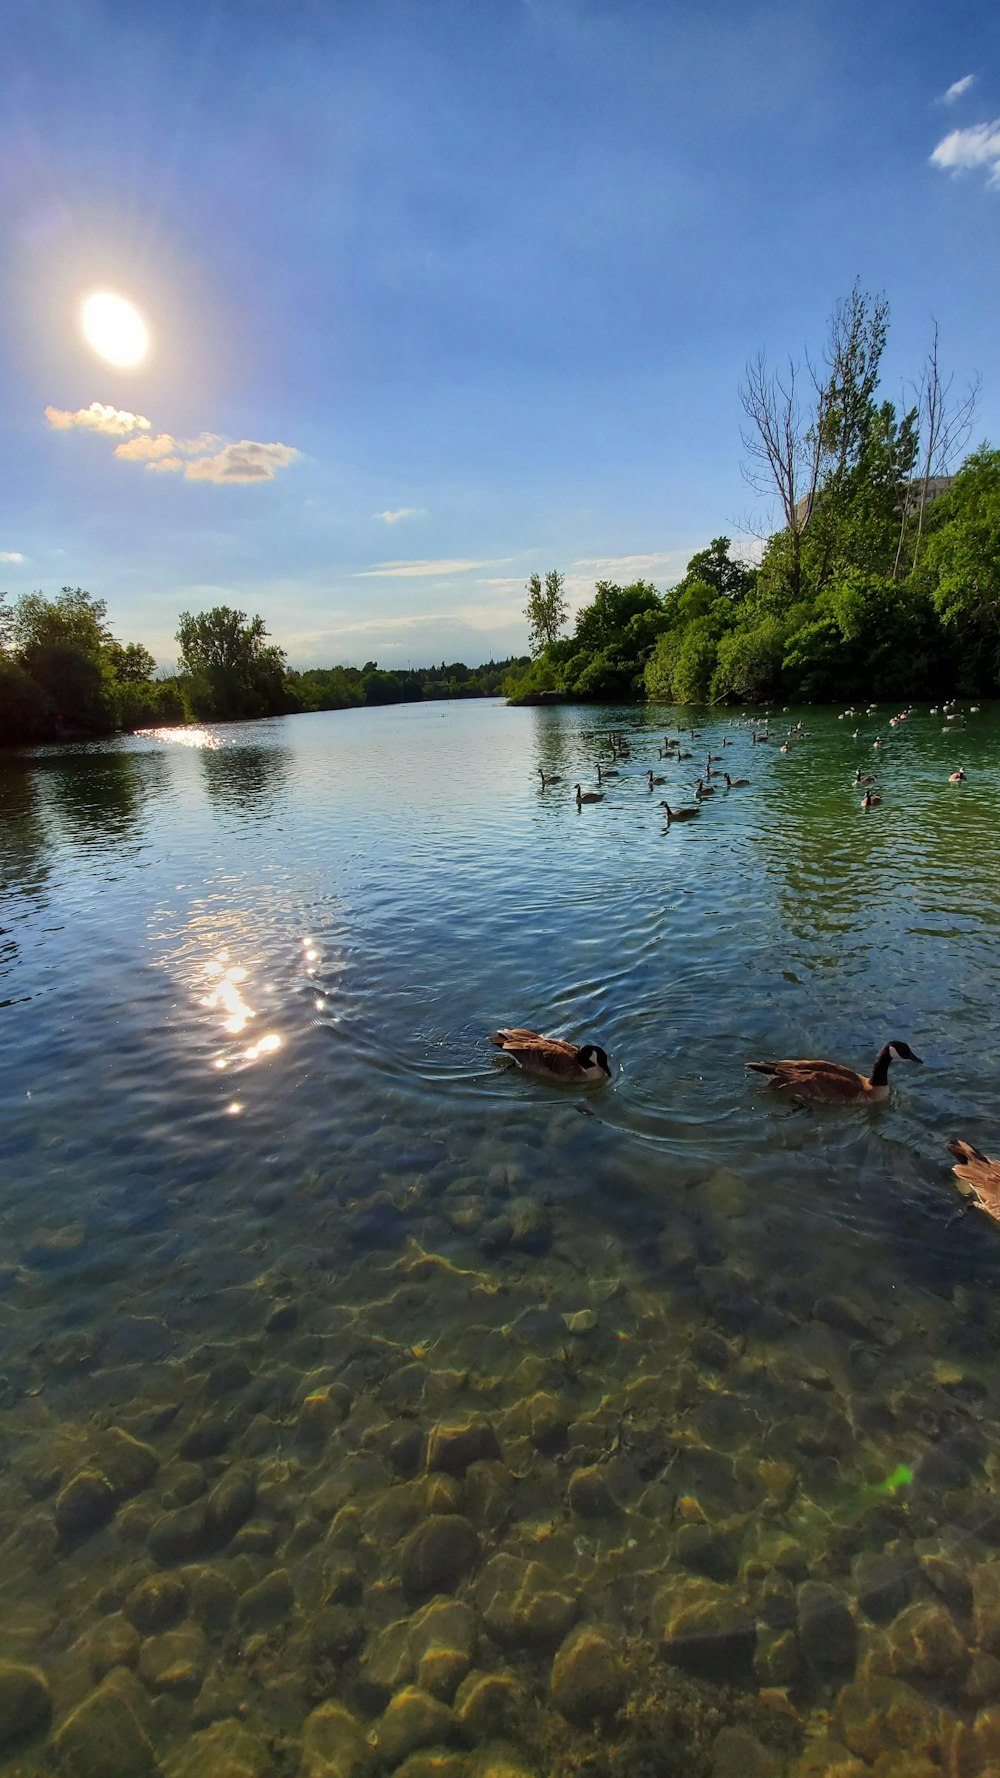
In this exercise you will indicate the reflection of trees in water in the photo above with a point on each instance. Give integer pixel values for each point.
(24, 847)
(100, 795)
(248, 780)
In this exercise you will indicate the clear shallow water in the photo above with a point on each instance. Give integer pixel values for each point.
(246, 977)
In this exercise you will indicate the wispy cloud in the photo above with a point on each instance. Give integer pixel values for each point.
(98, 417)
(401, 512)
(423, 570)
(660, 563)
(977, 146)
(246, 461)
(11, 555)
(956, 89)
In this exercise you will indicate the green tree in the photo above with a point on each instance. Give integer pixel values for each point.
(233, 671)
(961, 564)
(716, 568)
(74, 620)
(546, 609)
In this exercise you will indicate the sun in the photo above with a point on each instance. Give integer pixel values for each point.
(115, 330)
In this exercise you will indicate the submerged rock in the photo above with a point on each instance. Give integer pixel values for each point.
(488, 1704)
(175, 1661)
(736, 1753)
(588, 1493)
(442, 1645)
(876, 1715)
(926, 1643)
(522, 1606)
(25, 1702)
(707, 1632)
(156, 1603)
(179, 1535)
(412, 1719)
(456, 1442)
(883, 1583)
(587, 1680)
(226, 1750)
(103, 1735)
(438, 1555)
(114, 1642)
(334, 1745)
(271, 1601)
(231, 1503)
(828, 1634)
(86, 1504)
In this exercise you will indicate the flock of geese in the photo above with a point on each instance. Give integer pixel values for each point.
(802, 1079)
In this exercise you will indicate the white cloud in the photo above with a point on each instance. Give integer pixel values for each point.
(422, 570)
(138, 449)
(401, 512)
(956, 89)
(11, 555)
(166, 465)
(977, 146)
(98, 417)
(246, 461)
(660, 563)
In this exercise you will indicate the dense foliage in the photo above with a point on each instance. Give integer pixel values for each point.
(872, 586)
(63, 675)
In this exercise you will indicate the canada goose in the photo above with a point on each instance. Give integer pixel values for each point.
(784, 747)
(861, 777)
(726, 743)
(957, 777)
(734, 783)
(569, 1064)
(608, 772)
(681, 754)
(830, 1081)
(877, 741)
(714, 759)
(702, 789)
(686, 814)
(653, 780)
(868, 801)
(548, 778)
(980, 1175)
(588, 796)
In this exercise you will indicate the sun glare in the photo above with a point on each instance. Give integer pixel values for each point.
(114, 329)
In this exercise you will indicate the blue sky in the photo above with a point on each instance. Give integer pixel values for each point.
(442, 293)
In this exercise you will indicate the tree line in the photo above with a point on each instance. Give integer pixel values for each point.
(64, 675)
(880, 579)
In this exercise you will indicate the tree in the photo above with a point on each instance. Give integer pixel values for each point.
(601, 622)
(233, 671)
(945, 426)
(716, 568)
(132, 664)
(782, 443)
(546, 610)
(74, 619)
(962, 563)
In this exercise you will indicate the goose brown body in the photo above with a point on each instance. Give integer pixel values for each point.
(979, 1175)
(570, 1064)
(830, 1082)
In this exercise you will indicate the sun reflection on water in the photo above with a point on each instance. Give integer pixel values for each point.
(225, 995)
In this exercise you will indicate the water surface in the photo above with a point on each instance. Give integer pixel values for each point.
(250, 1119)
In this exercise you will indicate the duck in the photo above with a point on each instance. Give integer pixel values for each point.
(734, 783)
(868, 801)
(702, 789)
(831, 1082)
(980, 1176)
(588, 796)
(568, 1064)
(548, 778)
(654, 780)
(861, 777)
(957, 777)
(685, 814)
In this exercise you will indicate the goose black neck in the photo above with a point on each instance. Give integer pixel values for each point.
(880, 1072)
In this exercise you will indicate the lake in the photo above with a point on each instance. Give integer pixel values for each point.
(370, 1406)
